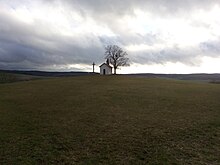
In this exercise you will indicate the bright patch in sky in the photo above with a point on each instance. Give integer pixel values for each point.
(208, 65)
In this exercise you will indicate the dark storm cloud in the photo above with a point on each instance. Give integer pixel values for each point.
(25, 45)
(173, 54)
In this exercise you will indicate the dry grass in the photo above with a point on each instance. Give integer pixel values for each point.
(109, 120)
(12, 77)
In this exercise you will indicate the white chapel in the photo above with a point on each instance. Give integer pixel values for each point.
(105, 69)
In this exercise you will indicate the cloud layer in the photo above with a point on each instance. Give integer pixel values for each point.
(67, 35)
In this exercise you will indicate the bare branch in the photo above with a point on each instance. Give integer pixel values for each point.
(116, 56)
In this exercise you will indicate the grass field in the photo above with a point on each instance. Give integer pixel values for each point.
(11, 77)
(109, 120)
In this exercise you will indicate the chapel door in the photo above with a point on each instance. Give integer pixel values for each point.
(104, 71)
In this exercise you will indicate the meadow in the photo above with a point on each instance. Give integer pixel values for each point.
(109, 120)
(13, 77)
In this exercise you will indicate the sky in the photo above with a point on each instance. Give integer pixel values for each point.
(160, 36)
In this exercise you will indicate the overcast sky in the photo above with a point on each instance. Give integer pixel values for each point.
(160, 36)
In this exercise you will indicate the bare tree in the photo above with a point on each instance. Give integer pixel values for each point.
(116, 56)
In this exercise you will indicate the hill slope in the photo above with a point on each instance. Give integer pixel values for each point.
(7, 77)
(48, 74)
(213, 78)
(109, 120)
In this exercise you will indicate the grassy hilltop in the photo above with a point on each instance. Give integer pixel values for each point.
(109, 120)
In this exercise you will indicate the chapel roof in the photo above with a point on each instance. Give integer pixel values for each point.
(106, 65)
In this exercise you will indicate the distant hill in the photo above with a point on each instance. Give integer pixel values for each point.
(26, 75)
(195, 77)
(47, 74)
(8, 76)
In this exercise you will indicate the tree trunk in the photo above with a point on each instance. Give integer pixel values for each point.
(115, 70)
